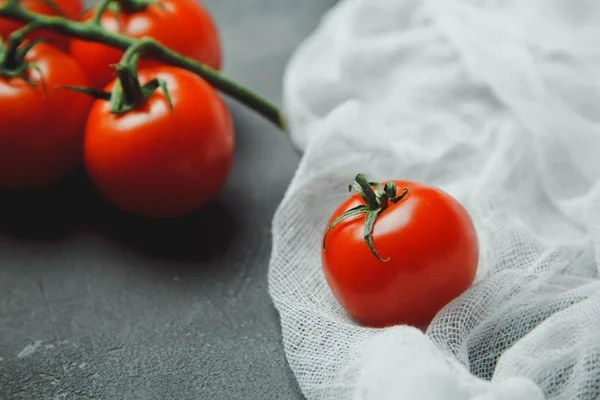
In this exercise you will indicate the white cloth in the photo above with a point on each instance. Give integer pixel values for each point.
(498, 103)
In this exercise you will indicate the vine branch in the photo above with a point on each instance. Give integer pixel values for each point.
(92, 31)
(99, 11)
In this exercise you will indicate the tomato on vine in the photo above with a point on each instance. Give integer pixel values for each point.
(70, 9)
(184, 26)
(399, 254)
(41, 124)
(159, 153)
(165, 26)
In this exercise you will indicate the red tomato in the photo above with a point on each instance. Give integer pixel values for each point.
(152, 162)
(430, 248)
(68, 8)
(41, 135)
(183, 25)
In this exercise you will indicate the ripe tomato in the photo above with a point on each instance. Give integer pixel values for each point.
(68, 8)
(41, 134)
(183, 25)
(152, 162)
(429, 249)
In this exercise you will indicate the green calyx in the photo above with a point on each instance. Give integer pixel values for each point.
(375, 203)
(13, 54)
(127, 92)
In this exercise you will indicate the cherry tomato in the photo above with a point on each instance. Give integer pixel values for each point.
(428, 255)
(68, 8)
(157, 163)
(41, 134)
(183, 25)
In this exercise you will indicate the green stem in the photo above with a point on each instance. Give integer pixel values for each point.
(150, 47)
(15, 39)
(132, 90)
(366, 191)
(99, 11)
(135, 51)
(92, 32)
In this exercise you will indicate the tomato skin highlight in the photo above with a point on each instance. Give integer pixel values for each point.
(155, 163)
(41, 134)
(70, 8)
(184, 26)
(433, 253)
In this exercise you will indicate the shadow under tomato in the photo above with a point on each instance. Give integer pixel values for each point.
(198, 237)
(47, 214)
(74, 206)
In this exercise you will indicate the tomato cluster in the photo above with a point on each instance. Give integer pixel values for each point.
(153, 160)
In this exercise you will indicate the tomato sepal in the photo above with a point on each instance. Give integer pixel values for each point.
(127, 92)
(375, 204)
(13, 54)
(90, 91)
(350, 213)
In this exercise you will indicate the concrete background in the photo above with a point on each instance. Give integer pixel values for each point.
(96, 304)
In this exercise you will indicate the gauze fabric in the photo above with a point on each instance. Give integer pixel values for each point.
(497, 103)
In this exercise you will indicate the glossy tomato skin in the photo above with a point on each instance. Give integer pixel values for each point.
(185, 26)
(433, 254)
(154, 163)
(70, 9)
(41, 135)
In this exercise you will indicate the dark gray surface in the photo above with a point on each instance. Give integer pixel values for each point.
(95, 304)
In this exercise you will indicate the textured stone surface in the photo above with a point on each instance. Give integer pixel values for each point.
(95, 304)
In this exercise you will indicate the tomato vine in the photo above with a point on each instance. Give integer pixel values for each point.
(92, 31)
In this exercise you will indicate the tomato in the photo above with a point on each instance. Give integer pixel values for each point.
(157, 163)
(183, 25)
(41, 134)
(68, 8)
(425, 253)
